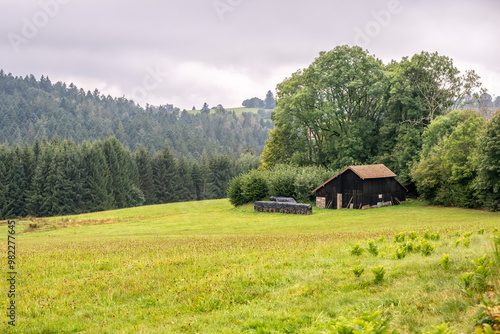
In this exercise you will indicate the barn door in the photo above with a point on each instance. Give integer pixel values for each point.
(339, 201)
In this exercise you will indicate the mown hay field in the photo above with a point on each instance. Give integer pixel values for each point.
(206, 267)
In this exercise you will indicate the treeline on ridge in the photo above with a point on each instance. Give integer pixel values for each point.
(35, 109)
(60, 177)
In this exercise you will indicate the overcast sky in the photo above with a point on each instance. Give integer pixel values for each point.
(187, 52)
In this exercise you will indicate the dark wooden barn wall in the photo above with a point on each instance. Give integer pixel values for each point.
(360, 192)
(388, 187)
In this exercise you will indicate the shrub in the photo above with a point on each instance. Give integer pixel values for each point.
(375, 323)
(426, 248)
(282, 181)
(372, 248)
(254, 186)
(309, 178)
(496, 248)
(435, 236)
(400, 253)
(379, 273)
(358, 271)
(409, 247)
(356, 250)
(412, 235)
(400, 237)
(445, 261)
(235, 191)
(466, 242)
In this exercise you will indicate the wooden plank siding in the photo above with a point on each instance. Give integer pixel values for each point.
(357, 192)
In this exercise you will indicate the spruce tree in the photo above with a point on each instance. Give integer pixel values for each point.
(145, 174)
(187, 192)
(166, 177)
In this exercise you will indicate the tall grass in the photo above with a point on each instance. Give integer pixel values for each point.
(209, 268)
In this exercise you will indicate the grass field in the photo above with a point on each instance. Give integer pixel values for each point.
(207, 267)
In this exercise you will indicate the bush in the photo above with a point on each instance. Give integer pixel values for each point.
(372, 248)
(282, 181)
(426, 248)
(254, 186)
(308, 178)
(235, 191)
(400, 237)
(356, 250)
(445, 261)
(358, 271)
(379, 273)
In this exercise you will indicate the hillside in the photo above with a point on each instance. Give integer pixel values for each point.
(209, 268)
(34, 109)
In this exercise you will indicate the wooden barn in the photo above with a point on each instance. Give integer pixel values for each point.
(360, 187)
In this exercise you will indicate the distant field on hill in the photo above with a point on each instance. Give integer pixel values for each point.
(206, 267)
(237, 111)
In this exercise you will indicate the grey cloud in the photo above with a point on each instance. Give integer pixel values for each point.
(113, 42)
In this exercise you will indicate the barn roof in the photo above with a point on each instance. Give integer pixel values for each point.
(365, 172)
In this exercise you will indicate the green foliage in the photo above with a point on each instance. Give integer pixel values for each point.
(400, 237)
(358, 271)
(488, 181)
(372, 248)
(254, 186)
(60, 177)
(412, 235)
(426, 248)
(466, 242)
(435, 236)
(496, 248)
(289, 181)
(489, 322)
(375, 323)
(441, 329)
(327, 113)
(447, 171)
(356, 250)
(400, 253)
(235, 191)
(379, 273)
(33, 109)
(445, 261)
(477, 280)
(282, 181)
(409, 247)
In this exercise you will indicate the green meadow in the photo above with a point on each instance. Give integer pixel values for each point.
(238, 111)
(207, 267)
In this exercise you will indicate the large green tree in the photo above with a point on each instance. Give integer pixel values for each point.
(328, 110)
(488, 183)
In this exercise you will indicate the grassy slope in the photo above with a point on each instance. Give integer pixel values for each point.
(208, 267)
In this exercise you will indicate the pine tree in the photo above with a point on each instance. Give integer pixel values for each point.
(96, 181)
(187, 192)
(166, 177)
(221, 172)
(145, 171)
(269, 102)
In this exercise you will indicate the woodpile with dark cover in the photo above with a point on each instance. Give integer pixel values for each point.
(283, 205)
